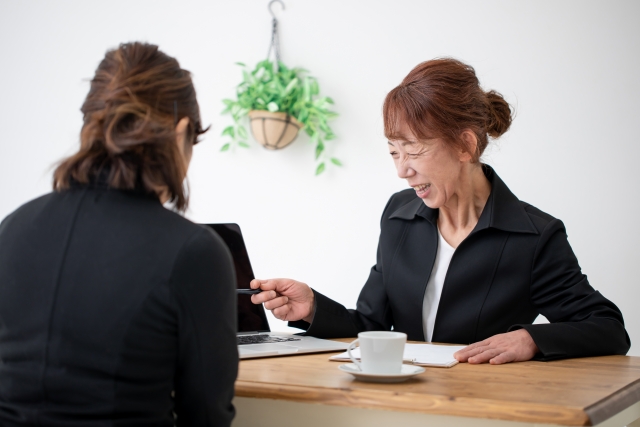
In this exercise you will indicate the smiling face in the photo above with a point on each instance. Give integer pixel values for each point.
(430, 167)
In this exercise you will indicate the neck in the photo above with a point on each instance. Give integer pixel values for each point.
(461, 212)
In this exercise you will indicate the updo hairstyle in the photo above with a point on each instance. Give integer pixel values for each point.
(440, 99)
(136, 98)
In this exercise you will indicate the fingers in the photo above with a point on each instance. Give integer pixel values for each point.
(286, 298)
(269, 287)
(484, 356)
(255, 283)
(514, 346)
(282, 312)
(276, 302)
(265, 285)
(504, 357)
(263, 297)
(469, 351)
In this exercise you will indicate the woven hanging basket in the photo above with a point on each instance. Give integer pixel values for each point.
(274, 130)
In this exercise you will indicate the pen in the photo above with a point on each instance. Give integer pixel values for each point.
(248, 291)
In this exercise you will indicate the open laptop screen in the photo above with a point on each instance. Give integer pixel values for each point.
(251, 317)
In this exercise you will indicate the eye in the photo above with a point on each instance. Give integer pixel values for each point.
(414, 155)
(393, 153)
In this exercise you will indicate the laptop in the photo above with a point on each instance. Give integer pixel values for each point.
(255, 339)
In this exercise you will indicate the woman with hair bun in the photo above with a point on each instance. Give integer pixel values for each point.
(113, 309)
(460, 258)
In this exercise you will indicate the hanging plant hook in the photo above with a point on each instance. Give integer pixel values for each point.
(275, 40)
(271, 10)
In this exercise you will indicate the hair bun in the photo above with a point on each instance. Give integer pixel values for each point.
(500, 114)
(137, 97)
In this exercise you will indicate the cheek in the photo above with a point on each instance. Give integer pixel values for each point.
(396, 162)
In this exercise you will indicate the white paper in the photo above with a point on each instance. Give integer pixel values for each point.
(418, 354)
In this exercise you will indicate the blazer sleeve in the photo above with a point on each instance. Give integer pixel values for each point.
(372, 313)
(582, 321)
(203, 282)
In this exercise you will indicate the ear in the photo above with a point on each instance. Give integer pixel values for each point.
(181, 134)
(470, 140)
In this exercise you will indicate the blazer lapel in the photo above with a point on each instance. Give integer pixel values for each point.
(411, 268)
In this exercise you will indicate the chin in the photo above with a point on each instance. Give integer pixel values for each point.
(431, 204)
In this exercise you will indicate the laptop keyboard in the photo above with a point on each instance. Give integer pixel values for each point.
(260, 339)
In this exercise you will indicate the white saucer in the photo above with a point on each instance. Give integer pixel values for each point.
(407, 371)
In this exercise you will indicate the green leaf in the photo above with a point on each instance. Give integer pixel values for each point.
(240, 64)
(303, 115)
(336, 161)
(243, 144)
(319, 149)
(307, 90)
(291, 85)
(314, 87)
(242, 132)
(228, 131)
(225, 147)
(272, 106)
(325, 128)
(320, 168)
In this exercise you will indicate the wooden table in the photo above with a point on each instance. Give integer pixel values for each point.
(309, 391)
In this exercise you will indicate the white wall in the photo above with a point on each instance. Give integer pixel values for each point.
(569, 67)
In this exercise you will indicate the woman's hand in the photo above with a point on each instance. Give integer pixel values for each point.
(287, 299)
(515, 346)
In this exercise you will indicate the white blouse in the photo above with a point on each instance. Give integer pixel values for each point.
(435, 285)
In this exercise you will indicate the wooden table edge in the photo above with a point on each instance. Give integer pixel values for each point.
(405, 402)
(611, 405)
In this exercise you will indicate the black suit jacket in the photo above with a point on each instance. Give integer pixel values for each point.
(515, 264)
(111, 305)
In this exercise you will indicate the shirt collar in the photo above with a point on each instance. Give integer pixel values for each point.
(503, 209)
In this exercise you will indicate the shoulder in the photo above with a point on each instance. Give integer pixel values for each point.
(541, 220)
(204, 239)
(28, 210)
(201, 248)
(203, 265)
(195, 244)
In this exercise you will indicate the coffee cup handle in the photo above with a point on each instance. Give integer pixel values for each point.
(353, 359)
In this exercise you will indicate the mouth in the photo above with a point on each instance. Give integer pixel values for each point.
(422, 190)
(421, 187)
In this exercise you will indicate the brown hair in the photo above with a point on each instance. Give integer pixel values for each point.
(440, 99)
(137, 97)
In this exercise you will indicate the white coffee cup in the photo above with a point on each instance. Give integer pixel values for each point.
(380, 352)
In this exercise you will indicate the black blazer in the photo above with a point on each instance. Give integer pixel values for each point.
(514, 265)
(114, 311)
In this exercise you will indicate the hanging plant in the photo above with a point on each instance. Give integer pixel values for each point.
(279, 102)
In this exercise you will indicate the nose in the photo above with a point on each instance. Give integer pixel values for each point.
(404, 170)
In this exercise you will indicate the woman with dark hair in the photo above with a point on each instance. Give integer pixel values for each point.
(460, 258)
(113, 309)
